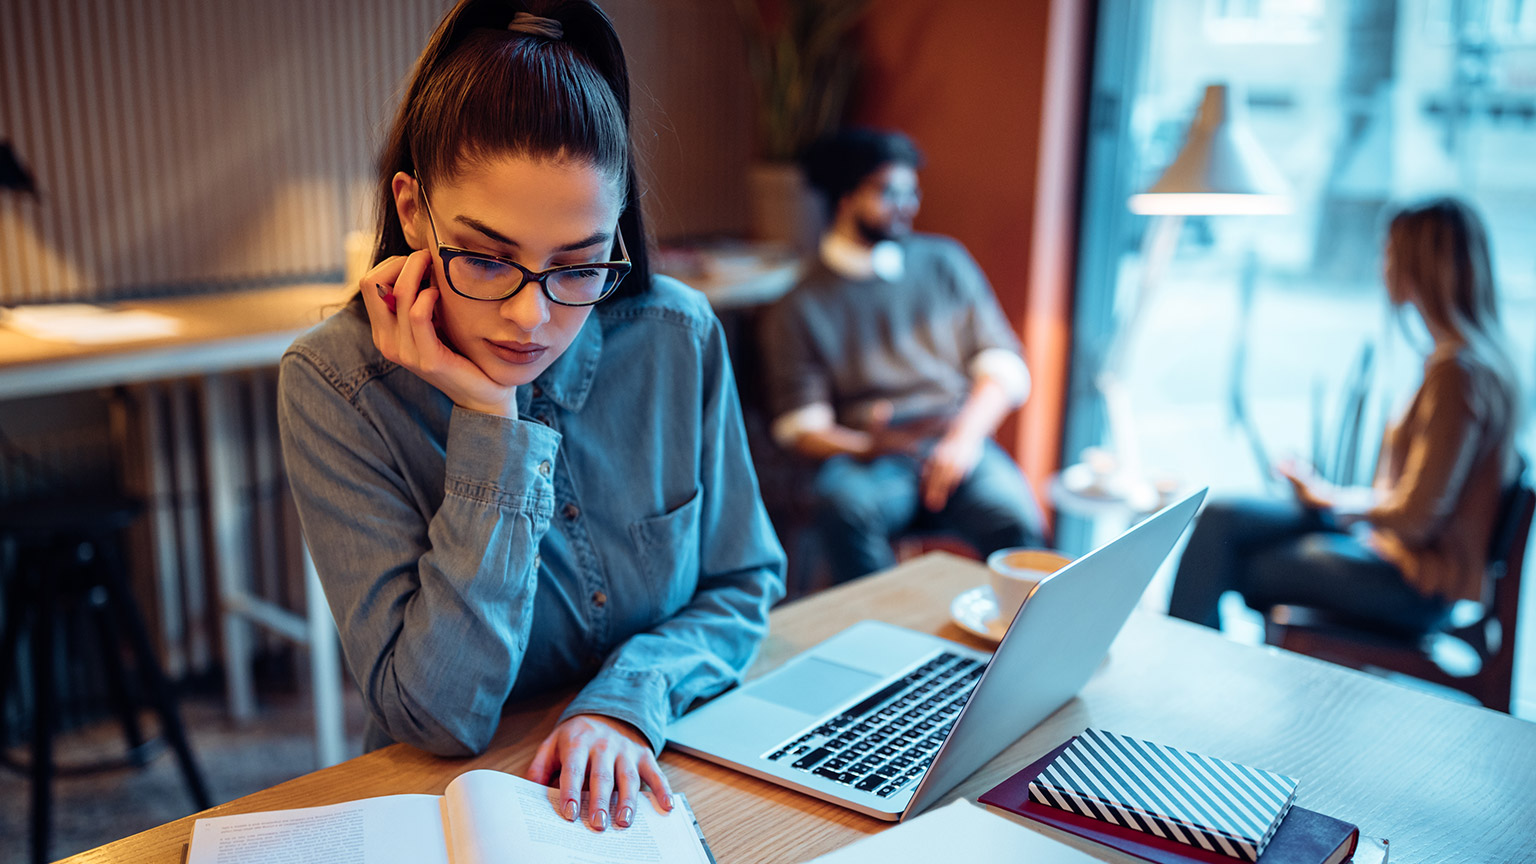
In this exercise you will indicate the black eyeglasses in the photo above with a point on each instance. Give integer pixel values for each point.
(478, 276)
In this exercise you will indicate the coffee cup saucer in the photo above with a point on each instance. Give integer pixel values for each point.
(975, 612)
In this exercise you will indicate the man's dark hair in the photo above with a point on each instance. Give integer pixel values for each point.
(836, 164)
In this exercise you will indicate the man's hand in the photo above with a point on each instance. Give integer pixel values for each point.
(951, 461)
(603, 755)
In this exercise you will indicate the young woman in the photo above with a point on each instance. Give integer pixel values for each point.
(1403, 551)
(518, 456)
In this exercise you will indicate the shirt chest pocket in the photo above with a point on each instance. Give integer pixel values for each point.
(668, 554)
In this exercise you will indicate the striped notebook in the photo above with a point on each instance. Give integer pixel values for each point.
(1214, 804)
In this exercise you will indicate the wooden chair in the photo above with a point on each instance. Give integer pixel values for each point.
(1441, 656)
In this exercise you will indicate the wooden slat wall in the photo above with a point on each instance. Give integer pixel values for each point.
(187, 145)
(181, 144)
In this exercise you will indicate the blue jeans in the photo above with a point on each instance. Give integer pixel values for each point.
(1276, 552)
(862, 506)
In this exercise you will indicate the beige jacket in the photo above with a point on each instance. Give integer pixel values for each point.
(1442, 470)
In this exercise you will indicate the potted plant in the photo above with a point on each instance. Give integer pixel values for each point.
(803, 65)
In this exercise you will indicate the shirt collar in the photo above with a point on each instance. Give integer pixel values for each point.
(568, 380)
(885, 260)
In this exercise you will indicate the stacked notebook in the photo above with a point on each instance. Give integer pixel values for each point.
(1171, 806)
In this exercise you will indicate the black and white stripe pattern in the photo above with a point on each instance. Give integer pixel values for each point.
(1216, 805)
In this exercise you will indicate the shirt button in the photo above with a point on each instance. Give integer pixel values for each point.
(572, 511)
(537, 390)
(538, 561)
(543, 419)
(599, 599)
(544, 468)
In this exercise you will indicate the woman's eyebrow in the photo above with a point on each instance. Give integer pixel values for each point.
(492, 233)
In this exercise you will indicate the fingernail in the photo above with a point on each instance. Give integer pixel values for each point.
(666, 801)
(570, 811)
(600, 820)
(626, 816)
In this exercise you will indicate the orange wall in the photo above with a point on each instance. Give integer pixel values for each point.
(991, 89)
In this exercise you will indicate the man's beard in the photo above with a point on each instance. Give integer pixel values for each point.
(872, 233)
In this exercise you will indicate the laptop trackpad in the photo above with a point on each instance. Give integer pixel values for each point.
(813, 685)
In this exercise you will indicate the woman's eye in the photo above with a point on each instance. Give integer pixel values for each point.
(485, 265)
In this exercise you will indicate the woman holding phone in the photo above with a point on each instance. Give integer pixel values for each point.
(518, 455)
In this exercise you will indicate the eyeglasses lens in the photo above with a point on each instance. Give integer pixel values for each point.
(489, 279)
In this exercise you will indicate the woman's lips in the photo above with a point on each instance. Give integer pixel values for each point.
(521, 353)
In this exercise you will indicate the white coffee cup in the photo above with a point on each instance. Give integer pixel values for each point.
(1014, 572)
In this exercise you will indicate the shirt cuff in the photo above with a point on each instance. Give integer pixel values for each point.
(502, 461)
(1005, 368)
(815, 417)
(636, 697)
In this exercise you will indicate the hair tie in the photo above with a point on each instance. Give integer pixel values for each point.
(533, 25)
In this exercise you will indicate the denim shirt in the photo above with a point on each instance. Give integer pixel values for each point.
(612, 534)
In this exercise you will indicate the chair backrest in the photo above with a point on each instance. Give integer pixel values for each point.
(1514, 519)
(1506, 555)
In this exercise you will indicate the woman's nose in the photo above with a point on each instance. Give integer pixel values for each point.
(528, 308)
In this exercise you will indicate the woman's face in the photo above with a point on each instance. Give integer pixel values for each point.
(539, 213)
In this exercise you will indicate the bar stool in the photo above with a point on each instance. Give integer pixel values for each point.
(63, 557)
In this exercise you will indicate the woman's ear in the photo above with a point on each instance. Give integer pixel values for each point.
(409, 208)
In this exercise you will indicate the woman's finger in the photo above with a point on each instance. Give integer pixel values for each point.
(626, 778)
(406, 289)
(542, 769)
(381, 280)
(573, 771)
(600, 770)
(424, 335)
(650, 772)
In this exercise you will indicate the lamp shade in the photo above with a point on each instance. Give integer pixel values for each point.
(1220, 169)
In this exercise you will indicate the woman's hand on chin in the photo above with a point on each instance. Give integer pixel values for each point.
(401, 313)
(606, 756)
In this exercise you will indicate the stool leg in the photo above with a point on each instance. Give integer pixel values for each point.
(159, 688)
(117, 674)
(11, 635)
(42, 722)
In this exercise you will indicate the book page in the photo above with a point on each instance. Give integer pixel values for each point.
(394, 829)
(498, 817)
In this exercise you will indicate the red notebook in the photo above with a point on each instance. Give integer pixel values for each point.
(1304, 836)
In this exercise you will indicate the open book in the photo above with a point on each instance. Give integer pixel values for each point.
(483, 817)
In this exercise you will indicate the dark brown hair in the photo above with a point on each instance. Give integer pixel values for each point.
(1440, 254)
(480, 91)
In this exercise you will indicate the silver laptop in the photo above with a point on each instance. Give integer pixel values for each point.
(885, 720)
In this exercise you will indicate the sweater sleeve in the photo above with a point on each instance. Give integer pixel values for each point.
(1439, 453)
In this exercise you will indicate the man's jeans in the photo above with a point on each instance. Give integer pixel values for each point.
(862, 506)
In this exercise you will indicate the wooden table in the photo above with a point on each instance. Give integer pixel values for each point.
(217, 334)
(1445, 781)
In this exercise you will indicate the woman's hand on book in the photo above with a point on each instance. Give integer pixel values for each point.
(606, 756)
(402, 309)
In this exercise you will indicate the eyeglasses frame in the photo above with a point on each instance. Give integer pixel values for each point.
(447, 253)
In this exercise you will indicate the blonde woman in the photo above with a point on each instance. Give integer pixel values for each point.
(1402, 551)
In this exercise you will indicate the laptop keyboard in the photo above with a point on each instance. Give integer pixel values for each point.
(888, 740)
